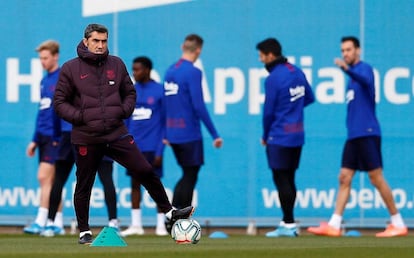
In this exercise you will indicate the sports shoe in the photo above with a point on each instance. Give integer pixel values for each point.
(85, 239)
(325, 229)
(183, 213)
(51, 231)
(132, 230)
(392, 231)
(160, 230)
(34, 228)
(283, 231)
(59, 231)
(114, 223)
(48, 232)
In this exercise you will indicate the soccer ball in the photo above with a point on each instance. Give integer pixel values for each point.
(186, 231)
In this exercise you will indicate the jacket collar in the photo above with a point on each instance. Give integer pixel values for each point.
(279, 60)
(89, 57)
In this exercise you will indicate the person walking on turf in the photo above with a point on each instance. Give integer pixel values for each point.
(44, 139)
(287, 93)
(362, 150)
(147, 126)
(185, 110)
(95, 94)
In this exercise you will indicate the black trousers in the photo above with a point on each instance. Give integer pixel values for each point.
(63, 169)
(105, 176)
(284, 179)
(125, 152)
(183, 191)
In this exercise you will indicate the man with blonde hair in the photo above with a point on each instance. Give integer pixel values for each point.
(43, 139)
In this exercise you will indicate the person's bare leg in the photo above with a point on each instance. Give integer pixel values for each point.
(397, 226)
(136, 221)
(332, 228)
(377, 179)
(345, 180)
(46, 174)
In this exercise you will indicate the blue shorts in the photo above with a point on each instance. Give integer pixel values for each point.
(47, 151)
(65, 148)
(150, 156)
(189, 153)
(362, 154)
(282, 157)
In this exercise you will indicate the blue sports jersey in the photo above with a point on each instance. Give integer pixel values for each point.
(147, 123)
(66, 126)
(287, 92)
(46, 113)
(59, 127)
(361, 119)
(185, 106)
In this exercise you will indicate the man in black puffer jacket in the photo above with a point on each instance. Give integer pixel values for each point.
(95, 94)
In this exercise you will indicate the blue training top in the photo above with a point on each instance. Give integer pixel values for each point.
(46, 113)
(147, 123)
(287, 92)
(361, 119)
(185, 105)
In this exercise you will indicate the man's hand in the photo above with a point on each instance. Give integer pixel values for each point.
(341, 64)
(218, 142)
(31, 149)
(157, 162)
(166, 142)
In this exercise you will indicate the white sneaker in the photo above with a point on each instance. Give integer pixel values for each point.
(48, 232)
(132, 230)
(160, 230)
(114, 223)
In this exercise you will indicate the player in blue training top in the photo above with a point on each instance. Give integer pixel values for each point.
(287, 93)
(43, 138)
(185, 110)
(147, 126)
(362, 150)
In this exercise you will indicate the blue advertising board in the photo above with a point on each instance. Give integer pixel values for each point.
(235, 184)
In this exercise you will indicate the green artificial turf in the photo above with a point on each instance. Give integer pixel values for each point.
(234, 246)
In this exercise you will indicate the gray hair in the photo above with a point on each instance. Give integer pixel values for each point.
(94, 27)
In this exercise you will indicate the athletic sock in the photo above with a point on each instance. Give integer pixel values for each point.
(288, 225)
(113, 223)
(59, 219)
(41, 217)
(397, 220)
(160, 220)
(136, 218)
(49, 223)
(335, 221)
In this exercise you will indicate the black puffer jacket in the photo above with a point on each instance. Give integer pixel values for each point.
(95, 94)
